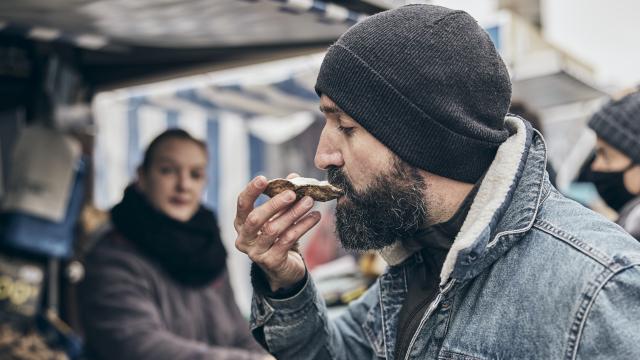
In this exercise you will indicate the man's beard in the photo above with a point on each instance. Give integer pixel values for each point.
(391, 208)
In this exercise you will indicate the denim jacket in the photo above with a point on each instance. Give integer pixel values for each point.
(630, 218)
(531, 275)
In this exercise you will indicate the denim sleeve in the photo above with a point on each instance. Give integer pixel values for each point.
(612, 326)
(299, 328)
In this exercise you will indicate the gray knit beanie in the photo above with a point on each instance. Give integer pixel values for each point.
(618, 123)
(428, 83)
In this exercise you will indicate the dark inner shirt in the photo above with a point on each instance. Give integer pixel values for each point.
(423, 275)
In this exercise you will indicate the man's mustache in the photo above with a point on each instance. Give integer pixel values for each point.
(338, 178)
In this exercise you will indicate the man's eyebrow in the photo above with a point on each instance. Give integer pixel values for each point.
(331, 109)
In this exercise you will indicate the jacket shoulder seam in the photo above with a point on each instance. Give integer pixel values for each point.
(576, 243)
(580, 317)
(589, 299)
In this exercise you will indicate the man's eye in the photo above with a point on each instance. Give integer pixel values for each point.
(196, 175)
(346, 130)
(166, 170)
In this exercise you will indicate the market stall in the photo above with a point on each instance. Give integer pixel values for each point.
(55, 57)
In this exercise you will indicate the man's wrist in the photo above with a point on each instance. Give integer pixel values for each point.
(262, 286)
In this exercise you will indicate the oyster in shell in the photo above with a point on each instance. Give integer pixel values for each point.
(318, 190)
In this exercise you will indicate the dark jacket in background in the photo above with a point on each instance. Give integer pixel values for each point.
(131, 309)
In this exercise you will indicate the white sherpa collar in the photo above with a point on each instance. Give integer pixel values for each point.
(491, 196)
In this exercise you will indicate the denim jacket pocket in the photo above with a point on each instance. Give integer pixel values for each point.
(450, 355)
(373, 329)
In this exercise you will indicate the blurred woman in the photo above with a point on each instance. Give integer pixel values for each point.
(156, 284)
(615, 170)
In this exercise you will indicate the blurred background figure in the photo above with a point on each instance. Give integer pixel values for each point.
(615, 169)
(156, 284)
(521, 109)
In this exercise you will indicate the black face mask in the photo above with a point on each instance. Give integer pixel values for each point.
(611, 187)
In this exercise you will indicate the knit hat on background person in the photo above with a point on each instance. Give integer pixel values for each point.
(428, 83)
(618, 123)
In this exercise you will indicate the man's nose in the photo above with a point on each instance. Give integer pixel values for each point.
(327, 153)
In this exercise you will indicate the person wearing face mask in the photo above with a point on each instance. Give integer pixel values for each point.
(615, 170)
(156, 285)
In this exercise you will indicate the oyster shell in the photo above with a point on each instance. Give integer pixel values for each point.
(318, 190)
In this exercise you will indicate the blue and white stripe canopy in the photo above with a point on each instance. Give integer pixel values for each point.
(237, 112)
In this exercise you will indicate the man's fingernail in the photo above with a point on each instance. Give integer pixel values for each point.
(289, 196)
(307, 201)
(260, 181)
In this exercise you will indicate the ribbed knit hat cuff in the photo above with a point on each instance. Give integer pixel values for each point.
(615, 135)
(416, 138)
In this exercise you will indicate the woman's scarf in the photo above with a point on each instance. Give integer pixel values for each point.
(191, 252)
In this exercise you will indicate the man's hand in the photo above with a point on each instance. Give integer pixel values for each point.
(269, 232)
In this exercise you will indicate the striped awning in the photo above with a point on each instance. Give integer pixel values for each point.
(266, 103)
(238, 112)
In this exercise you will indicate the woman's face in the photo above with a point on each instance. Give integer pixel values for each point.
(176, 178)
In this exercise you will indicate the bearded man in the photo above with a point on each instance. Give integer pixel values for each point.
(486, 259)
